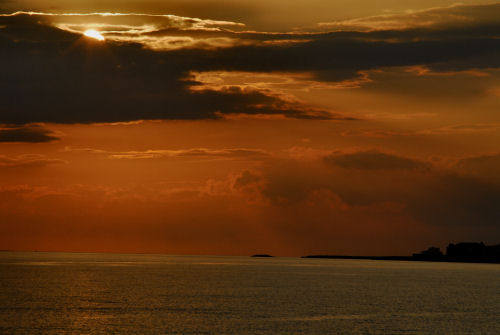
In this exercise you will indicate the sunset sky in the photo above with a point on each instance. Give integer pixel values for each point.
(238, 127)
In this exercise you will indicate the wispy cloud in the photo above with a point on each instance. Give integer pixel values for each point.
(28, 160)
(238, 153)
(196, 153)
(434, 18)
(462, 129)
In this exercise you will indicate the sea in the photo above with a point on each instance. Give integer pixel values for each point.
(85, 293)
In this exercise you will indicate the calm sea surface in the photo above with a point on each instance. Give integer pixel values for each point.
(60, 293)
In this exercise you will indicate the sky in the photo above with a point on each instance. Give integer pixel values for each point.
(241, 127)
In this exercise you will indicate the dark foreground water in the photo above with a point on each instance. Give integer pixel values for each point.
(58, 293)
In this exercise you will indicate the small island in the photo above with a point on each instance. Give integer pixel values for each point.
(465, 252)
(262, 255)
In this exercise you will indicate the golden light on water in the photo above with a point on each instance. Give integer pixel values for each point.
(92, 33)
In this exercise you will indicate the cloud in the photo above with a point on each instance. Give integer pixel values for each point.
(29, 133)
(121, 81)
(386, 183)
(456, 200)
(196, 153)
(160, 32)
(484, 166)
(342, 55)
(454, 16)
(28, 161)
(372, 160)
(334, 58)
(428, 83)
(463, 129)
(245, 179)
(289, 205)
(98, 82)
(238, 153)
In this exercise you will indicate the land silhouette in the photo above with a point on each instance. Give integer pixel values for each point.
(466, 252)
(262, 255)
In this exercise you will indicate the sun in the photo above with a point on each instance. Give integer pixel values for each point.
(92, 33)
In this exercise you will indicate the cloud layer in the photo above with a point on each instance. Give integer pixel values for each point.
(432, 195)
(377, 204)
(56, 75)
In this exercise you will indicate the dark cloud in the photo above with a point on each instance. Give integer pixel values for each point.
(457, 38)
(56, 76)
(246, 178)
(485, 166)
(333, 58)
(29, 133)
(372, 160)
(446, 198)
(426, 85)
(456, 200)
(51, 75)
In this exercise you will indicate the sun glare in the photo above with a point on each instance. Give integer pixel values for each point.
(94, 34)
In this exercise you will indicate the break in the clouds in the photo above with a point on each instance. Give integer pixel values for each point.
(159, 32)
(135, 76)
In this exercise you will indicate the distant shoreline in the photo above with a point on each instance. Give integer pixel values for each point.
(404, 258)
(462, 252)
(421, 257)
